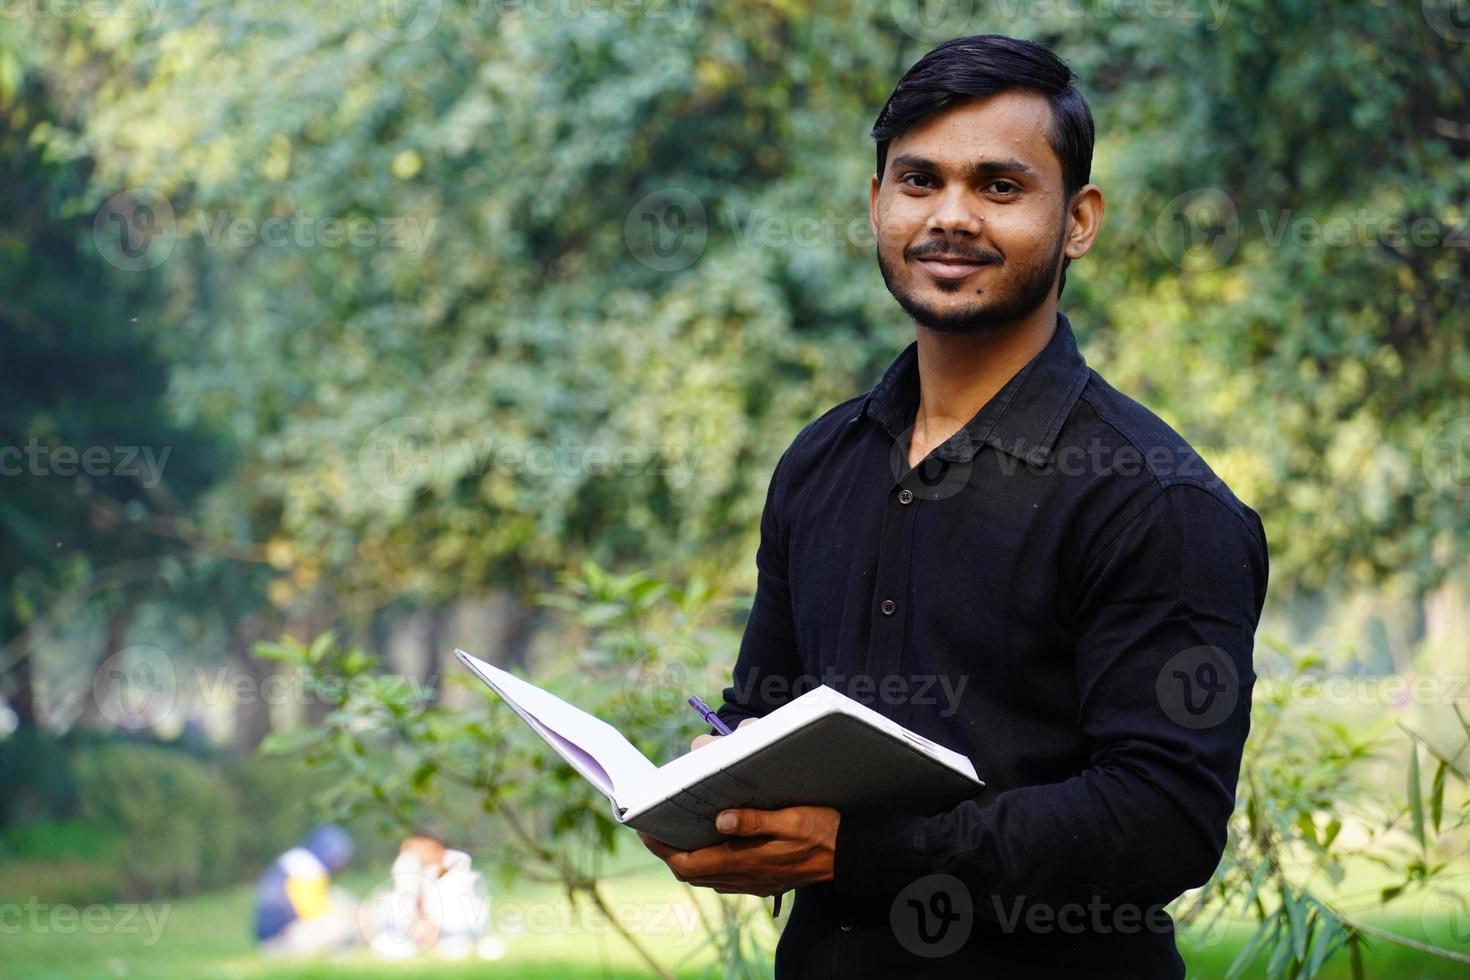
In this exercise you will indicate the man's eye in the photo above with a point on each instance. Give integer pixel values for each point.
(1002, 187)
(910, 178)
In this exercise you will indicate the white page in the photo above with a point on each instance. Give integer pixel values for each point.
(593, 747)
(822, 700)
(693, 766)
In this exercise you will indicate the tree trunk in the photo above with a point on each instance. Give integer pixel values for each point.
(434, 639)
(252, 714)
(1446, 623)
(520, 629)
(114, 640)
(16, 684)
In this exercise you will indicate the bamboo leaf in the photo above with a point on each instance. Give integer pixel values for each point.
(1416, 801)
(1296, 916)
(1307, 827)
(1326, 938)
(1436, 797)
(1355, 949)
(1248, 951)
(1280, 956)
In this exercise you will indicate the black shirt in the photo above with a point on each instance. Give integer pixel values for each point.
(1065, 593)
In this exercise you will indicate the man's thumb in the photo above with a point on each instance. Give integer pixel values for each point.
(741, 822)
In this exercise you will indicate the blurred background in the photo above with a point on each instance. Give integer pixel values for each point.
(334, 337)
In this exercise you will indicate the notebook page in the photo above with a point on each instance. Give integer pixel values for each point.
(593, 747)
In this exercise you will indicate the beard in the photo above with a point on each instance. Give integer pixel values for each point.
(1014, 297)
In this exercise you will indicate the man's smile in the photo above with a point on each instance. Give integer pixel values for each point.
(951, 267)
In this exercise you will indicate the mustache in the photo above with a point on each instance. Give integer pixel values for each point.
(934, 246)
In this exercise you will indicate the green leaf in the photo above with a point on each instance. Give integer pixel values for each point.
(1280, 955)
(290, 742)
(320, 646)
(1322, 945)
(1416, 802)
(1436, 796)
(1307, 827)
(1296, 916)
(277, 652)
(1248, 951)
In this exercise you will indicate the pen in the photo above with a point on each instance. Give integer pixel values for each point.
(708, 714)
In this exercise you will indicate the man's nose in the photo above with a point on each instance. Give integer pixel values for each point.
(955, 215)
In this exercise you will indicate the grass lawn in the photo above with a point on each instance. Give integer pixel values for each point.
(207, 936)
(59, 934)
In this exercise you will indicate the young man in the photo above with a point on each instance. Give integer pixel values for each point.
(1000, 551)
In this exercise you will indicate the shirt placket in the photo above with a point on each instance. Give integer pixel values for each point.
(892, 595)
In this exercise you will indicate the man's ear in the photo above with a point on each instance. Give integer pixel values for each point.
(873, 207)
(1084, 221)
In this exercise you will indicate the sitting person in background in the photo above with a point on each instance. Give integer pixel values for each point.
(409, 913)
(437, 902)
(464, 911)
(297, 911)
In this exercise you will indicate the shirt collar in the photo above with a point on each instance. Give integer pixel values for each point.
(1022, 419)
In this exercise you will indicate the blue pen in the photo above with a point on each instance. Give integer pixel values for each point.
(708, 714)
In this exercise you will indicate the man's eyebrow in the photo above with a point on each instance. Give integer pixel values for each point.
(973, 171)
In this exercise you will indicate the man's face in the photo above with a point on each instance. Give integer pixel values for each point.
(970, 214)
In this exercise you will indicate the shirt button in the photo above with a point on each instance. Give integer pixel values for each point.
(888, 606)
(845, 925)
(905, 496)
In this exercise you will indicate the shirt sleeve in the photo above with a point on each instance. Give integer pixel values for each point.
(1164, 624)
(768, 666)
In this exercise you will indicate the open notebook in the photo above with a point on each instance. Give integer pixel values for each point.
(820, 749)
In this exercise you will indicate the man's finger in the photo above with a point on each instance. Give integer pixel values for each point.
(750, 823)
(658, 847)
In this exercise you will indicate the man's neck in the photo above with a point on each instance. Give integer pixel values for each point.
(959, 373)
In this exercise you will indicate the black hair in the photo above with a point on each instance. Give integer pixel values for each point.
(988, 64)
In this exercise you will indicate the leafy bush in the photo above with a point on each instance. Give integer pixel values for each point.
(178, 819)
(37, 776)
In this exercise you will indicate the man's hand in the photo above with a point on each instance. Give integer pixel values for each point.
(774, 851)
